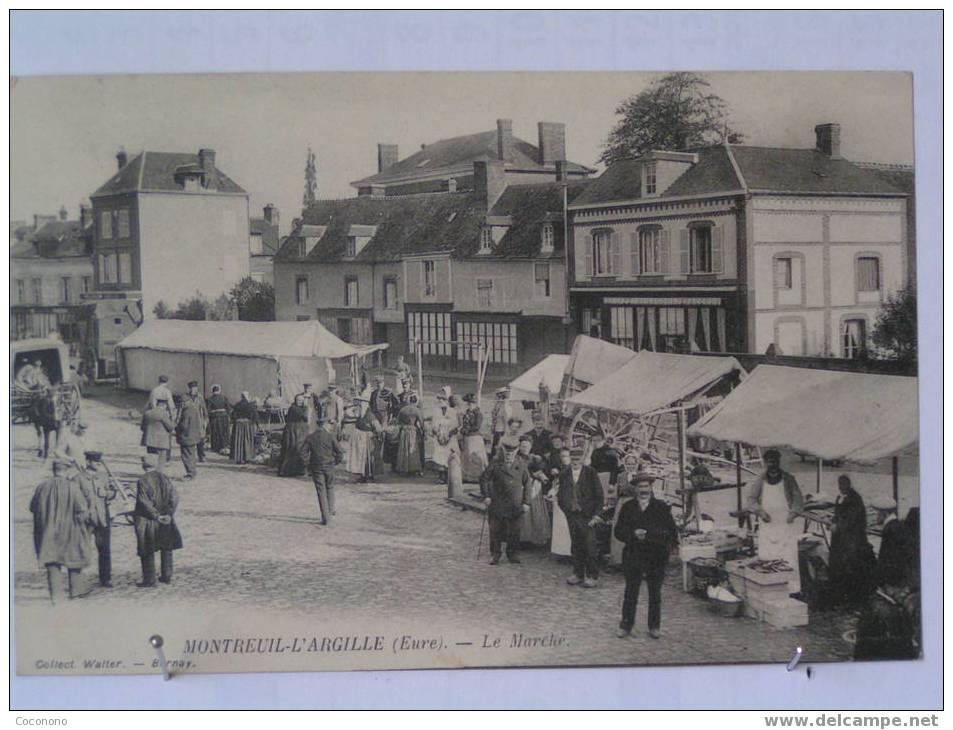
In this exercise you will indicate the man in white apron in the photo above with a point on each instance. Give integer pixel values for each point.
(776, 499)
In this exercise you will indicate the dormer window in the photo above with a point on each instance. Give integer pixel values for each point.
(651, 182)
(547, 237)
(486, 240)
(351, 246)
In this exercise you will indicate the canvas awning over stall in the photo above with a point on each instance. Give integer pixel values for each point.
(549, 370)
(857, 417)
(260, 357)
(650, 381)
(590, 361)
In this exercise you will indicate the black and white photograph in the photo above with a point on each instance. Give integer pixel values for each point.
(351, 371)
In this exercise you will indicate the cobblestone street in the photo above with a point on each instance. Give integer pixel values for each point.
(397, 551)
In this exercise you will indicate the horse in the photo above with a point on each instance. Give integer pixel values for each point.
(45, 417)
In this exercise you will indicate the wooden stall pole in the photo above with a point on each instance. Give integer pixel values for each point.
(895, 469)
(741, 517)
(820, 466)
(682, 448)
(419, 347)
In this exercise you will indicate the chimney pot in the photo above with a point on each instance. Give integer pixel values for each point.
(121, 158)
(552, 142)
(504, 139)
(271, 214)
(386, 156)
(207, 163)
(828, 140)
(64, 214)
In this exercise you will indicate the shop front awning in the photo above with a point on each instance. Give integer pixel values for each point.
(651, 381)
(857, 417)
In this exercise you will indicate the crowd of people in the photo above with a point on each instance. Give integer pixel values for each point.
(538, 490)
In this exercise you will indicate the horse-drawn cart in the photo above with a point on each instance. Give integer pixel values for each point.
(38, 367)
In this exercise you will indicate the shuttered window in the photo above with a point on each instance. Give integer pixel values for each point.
(605, 255)
(650, 254)
(868, 273)
(700, 250)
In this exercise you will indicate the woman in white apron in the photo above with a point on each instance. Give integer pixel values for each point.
(474, 459)
(560, 545)
(775, 498)
(443, 432)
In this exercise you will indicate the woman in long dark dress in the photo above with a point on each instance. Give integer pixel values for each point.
(370, 426)
(851, 561)
(290, 463)
(410, 440)
(218, 423)
(244, 419)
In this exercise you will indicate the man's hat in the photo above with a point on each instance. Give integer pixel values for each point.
(577, 451)
(502, 391)
(163, 378)
(93, 455)
(509, 444)
(150, 460)
(469, 398)
(641, 478)
(772, 455)
(332, 387)
(537, 417)
(193, 384)
(61, 461)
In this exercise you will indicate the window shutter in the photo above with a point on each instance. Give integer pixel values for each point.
(423, 282)
(684, 256)
(665, 245)
(590, 242)
(717, 236)
(634, 254)
(615, 257)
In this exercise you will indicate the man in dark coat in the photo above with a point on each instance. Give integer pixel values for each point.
(605, 458)
(157, 430)
(60, 512)
(646, 528)
(320, 451)
(893, 564)
(190, 429)
(542, 437)
(384, 403)
(851, 557)
(98, 491)
(581, 499)
(154, 521)
(506, 490)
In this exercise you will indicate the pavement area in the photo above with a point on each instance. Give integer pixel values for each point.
(397, 549)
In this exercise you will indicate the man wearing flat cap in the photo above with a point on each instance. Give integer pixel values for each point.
(98, 491)
(506, 490)
(320, 451)
(190, 429)
(646, 528)
(154, 521)
(60, 512)
(580, 498)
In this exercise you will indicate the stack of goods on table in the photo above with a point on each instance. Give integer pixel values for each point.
(763, 585)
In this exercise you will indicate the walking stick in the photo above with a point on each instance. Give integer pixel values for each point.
(482, 530)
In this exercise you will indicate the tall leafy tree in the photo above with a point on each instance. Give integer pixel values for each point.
(895, 333)
(677, 111)
(254, 300)
(310, 181)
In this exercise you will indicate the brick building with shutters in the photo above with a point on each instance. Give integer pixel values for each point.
(734, 248)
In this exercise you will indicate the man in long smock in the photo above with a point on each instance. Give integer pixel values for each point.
(776, 499)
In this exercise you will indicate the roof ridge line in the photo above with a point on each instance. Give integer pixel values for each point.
(736, 167)
(142, 169)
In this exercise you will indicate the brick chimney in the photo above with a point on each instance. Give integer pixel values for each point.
(552, 142)
(64, 214)
(85, 215)
(207, 163)
(562, 171)
(121, 158)
(828, 140)
(271, 214)
(386, 156)
(504, 139)
(489, 181)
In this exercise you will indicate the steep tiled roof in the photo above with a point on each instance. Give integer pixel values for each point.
(438, 222)
(457, 151)
(156, 171)
(56, 239)
(268, 233)
(529, 207)
(763, 169)
(808, 171)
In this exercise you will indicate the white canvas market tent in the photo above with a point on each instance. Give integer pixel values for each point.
(651, 381)
(858, 417)
(549, 370)
(259, 357)
(590, 361)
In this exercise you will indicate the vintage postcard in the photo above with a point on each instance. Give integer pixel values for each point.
(396, 370)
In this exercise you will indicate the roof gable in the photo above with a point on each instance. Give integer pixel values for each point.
(55, 239)
(155, 171)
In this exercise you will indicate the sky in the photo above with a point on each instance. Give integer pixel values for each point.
(65, 131)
